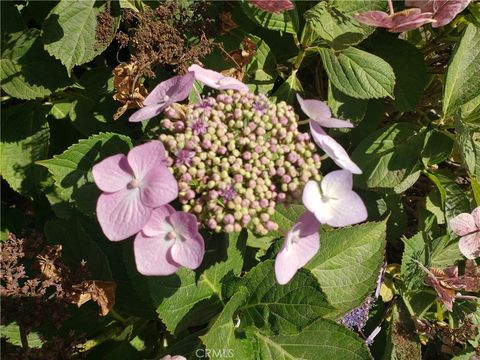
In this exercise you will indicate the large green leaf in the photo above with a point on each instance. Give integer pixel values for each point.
(323, 339)
(70, 31)
(286, 92)
(26, 69)
(11, 333)
(285, 21)
(437, 147)
(334, 23)
(93, 106)
(346, 107)
(461, 83)
(261, 73)
(453, 199)
(408, 65)
(469, 146)
(25, 138)
(348, 263)
(72, 170)
(358, 73)
(221, 339)
(77, 245)
(285, 308)
(183, 293)
(285, 217)
(388, 156)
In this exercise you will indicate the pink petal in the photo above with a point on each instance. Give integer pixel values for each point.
(336, 205)
(446, 11)
(337, 183)
(311, 196)
(463, 224)
(152, 255)
(293, 256)
(143, 158)
(216, 80)
(122, 214)
(273, 6)
(156, 223)
(333, 149)
(470, 245)
(476, 216)
(320, 113)
(147, 112)
(172, 90)
(344, 211)
(425, 5)
(158, 187)
(410, 19)
(113, 173)
(314, 109)
(188, 251)
(374, 18)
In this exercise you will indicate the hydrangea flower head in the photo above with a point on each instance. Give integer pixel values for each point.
(468, 227)
(273, 6)
(444, 11)
(358, 317)
(216, 80)
(301, 244)
(333, 202)
(408, 19)
(168, 241)
(249, 157)
(165, 94)
(133, 185)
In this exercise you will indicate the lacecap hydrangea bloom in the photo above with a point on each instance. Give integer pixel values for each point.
(236, 156)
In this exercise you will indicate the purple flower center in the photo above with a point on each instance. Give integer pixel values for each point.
(184, 157)
(199, 127)
(258, 106)
(171, 235)
(133, 184)
(229, 193)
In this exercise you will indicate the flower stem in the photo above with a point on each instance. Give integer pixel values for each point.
(390, 6)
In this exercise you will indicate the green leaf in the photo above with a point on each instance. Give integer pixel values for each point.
(408, 65)
(437, 148)
(26, 69)
(339, 28)
(231, 251)
(469, 147)
(346, 107)
(176, 296)
(461, 83)
(285, 217)
(285, 308)
(221, 338)
(72, 170)
(77, 246)
(11, 333)
(388, 156)
(285, 21)
(93, 105)
(135, 5)
(323, 339)
(414, 250)
(445, 252)
(454, 199)
(358, 74)
(348, 263)
(25, 138)
(70, 31)
(286, 92)
(261, 73)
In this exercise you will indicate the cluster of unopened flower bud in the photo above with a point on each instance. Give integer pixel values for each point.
(235, 157)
